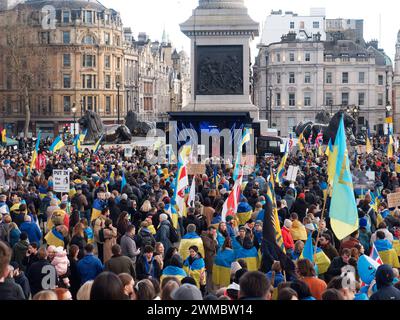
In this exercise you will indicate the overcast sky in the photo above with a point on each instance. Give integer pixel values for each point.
(152, 15)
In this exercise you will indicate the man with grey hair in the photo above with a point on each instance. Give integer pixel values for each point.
(32, 230)
(164, 232)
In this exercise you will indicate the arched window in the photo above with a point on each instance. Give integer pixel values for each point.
(88, 39)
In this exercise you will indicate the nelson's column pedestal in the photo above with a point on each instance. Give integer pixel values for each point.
(220, 33)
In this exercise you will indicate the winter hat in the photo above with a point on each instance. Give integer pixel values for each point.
(384, 276)
(187, 292)
(124, 197)
(302, 196)
(288, 223)
(363, 223)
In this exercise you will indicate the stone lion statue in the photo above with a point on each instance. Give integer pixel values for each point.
(138, 128)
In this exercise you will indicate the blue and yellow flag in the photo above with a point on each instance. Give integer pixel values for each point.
(281, 168)
(390, 146)
(172, 271)
(245, 138)
(188, 240)
(301, 142)
(195, 270)
(57, 144)
(54, 238)
(97, 145)
(221, 273)
(368, 146)
(343, 210)
(397, 168)
(4, 136)
(36, 150)
(123, 181)
(97, 208)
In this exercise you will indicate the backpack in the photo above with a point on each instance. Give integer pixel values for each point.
(173, 234)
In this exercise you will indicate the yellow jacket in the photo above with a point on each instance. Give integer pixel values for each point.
(298, 231)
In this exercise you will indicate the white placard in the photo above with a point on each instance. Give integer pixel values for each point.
(61, 180)
(292, 173)
(201, 150)
(128, 152)
(370, 175)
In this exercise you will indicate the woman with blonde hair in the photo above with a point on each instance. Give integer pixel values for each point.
(45, 295)
(84, 291)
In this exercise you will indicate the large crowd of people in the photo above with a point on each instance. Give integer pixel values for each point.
(116, 235)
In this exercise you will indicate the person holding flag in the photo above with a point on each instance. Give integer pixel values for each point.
(281, 168)
(4, 137)
(36, 151)
(97, 145)
(319, 141)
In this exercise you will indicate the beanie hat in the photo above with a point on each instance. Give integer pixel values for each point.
(288, 223)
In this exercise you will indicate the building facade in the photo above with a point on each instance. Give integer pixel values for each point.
(295, 79)
(280, 23)
(396, 88)
(91, 63)
(83, 44)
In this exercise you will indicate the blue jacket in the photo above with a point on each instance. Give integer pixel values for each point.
(89, 268)
(33, 231)
(14, 237)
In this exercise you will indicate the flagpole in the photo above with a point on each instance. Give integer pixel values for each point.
(322, 217)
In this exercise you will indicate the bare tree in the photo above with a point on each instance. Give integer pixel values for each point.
(27, 58)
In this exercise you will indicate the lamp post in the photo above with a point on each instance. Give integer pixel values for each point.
(354, 111)
(74, 113)
(270, 106)
(118, 84)
(389, 119)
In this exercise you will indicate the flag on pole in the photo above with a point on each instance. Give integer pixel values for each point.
(232, 202)
(36, 150)
(182, 184)
(329, 148)
(281, 168)
(291, 142)
(375, 255)
(192, 193)
(245, 138)
(4, 136)
(301, 142)
(97, 145)
(343, 209)
(320, 139)
(390, 146)
(123, 181)
(57, 144)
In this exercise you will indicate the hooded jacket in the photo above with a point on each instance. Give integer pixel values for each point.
(89, 267)
(19, 251)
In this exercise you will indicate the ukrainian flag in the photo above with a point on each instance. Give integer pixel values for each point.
(220, 238)
(188, 240)
(90, 235)
(320, 259)
(4, 136)
(98, 206)
(42, 192)
(123, 181)
(172, 271)
(301, 142)
(98, 145)
(77, 144)
(54, 238)
(57, 144)
(195, 270)
(343, 210)
(221, 275)
(281, 168)
(248, 255)
(171, 210)
(388, 254)
(15, 207)
(244, 212)
(36, 151)
(390, 146)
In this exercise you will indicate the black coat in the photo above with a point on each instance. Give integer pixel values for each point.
(74, 278)
(141, 272)
(300, 207)
(386, 293)
(81, 243)
(9, 290)
(35, 275)
(23, 281)
(335, 269)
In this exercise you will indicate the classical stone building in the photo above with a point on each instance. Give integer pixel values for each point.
(396, 88)
(82, 59)
(295, 79)
(84, 48)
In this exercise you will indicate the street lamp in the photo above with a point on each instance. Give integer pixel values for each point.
(270, 106)
(118, 84)
(389, 119)
(74, 112)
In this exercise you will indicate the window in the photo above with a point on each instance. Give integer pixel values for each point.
(67, 104)
(345, 98)
(361, 98)
(278, 78)
(291, 24)
(292, 123)
(90, 103)
(301, 26)
(108, 105)
(345, 77)
(278, 99)
(107, 62)
(315, 24)
(329, 77)
(66, 60)
(88, 40)
(380, 80)
(9, 82)
(66, 81)
(88, 16)
(291, 57)
(328, 98)
(107, 39)
(307, 99)
(308, 57)
(66, 16)
(292, 77)
(108, 81)
(278, 57)
(361, 77)
(117, 41)
(88, 81)
(66, 37)
(118, 63)
(380, 99)
(292, 99)
(307, 77)
(89, 61)
(44, 37)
